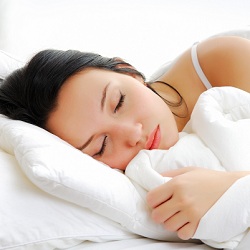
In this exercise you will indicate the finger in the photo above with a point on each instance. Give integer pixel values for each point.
(187, 231)
(176, 172)
(165, 211)
(176, 222)
(160, 194)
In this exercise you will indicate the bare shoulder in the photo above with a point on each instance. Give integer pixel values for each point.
(225, 61)
(223, 43)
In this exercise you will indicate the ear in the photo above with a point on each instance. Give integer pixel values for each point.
(123, 64)
(139, 78)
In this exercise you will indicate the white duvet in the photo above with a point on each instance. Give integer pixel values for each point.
(217, 137)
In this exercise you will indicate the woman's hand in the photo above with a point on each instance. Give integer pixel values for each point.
(181, 202)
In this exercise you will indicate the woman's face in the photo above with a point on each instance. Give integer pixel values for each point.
(111, 117)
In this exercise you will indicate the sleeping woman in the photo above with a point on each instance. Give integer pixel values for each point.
(103, 107)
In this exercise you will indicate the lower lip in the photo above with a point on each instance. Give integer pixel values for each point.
(156, 139)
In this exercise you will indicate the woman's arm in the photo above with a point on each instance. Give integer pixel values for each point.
(181, 202)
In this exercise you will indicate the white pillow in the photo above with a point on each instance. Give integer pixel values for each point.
(33, 219)
(63, 171)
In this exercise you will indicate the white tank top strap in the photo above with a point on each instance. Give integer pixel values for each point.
(197, 67)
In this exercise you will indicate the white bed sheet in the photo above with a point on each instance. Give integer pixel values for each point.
(139, 244)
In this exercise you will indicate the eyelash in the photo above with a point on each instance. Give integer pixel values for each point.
(120, 103)
(118, 106)
(104, 144)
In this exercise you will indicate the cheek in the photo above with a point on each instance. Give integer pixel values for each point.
(116, 162)
(150, 103)
(120, 159)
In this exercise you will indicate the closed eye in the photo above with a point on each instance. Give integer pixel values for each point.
(120, 102)
(104, 144)
(101, 151)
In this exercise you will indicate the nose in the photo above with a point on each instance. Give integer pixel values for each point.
(128, 133)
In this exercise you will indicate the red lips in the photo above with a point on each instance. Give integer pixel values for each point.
(154, 139)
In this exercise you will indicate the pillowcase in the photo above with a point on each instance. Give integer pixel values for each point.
(31, 218)
(65, 172)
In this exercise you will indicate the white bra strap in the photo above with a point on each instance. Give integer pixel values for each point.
(198, 67)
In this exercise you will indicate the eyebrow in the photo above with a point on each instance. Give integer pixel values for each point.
(104, 94)
(86, 143)
(103, 100)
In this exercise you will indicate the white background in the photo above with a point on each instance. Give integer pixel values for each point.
(146, 33)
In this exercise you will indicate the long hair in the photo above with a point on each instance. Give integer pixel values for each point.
(30, 93)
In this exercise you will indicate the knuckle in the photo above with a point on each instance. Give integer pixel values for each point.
(177, 182)
(194, 213)
(184, 202)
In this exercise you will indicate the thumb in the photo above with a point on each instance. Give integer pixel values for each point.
(176, 172)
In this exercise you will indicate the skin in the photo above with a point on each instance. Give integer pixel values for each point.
(181, 202)
(131, 113)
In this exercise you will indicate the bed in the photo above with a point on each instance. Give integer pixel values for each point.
(45, 205)
(38, 210)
